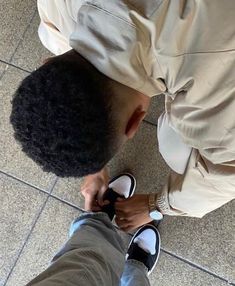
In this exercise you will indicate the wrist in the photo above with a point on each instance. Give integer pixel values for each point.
(154, 210)
(152, 202)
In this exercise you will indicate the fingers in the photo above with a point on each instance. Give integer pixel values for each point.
(94, 201)
(89, 202)
(93, 191)
(122, 209)
(121, 199)
(100, 195)
(122, 223)
(123, 205)
(125, 225)
(106, 202)
(132, 222)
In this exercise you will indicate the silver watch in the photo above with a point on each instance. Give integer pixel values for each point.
(154, 213)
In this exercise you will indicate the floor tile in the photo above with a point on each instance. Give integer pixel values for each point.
(20, 205)
(13, 160)
(172, 272)
(3, 67)
(157, 106)
(15, 17)
(139, 156)
(69, 190)
(209, 242)
(31, 53)
(49, 234)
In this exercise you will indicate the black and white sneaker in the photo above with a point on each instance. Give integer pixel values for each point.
(145, 246)
(121, 186)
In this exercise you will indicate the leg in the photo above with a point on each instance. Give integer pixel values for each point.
(94, 255)
(135, 274)
(202, 188)
(142, 256)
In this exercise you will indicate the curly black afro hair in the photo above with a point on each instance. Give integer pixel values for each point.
(61, 115)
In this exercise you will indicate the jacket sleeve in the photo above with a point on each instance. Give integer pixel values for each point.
(203, 188)
(49, 34)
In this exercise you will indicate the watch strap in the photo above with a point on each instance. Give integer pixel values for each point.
(153, 202)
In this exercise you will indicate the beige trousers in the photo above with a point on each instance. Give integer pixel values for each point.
(202, 188)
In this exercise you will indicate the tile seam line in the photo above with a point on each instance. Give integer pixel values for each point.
(150, 123)
(26, 240)
(48, 192)
(197, 266)
(51, 188)
(26, 183)
(184, 260)
(66, 202)
(20, 40)
(14, 66)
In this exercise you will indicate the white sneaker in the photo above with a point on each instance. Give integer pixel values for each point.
(145, 246)
(121, 186)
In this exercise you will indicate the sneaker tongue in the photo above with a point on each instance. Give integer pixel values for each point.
(121, 186)
(147, 241)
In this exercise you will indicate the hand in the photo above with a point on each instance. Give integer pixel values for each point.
(93, 188)
(133, 212)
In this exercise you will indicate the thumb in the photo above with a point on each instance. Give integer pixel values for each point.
(121, 199)
(89, 202)
(100, 196)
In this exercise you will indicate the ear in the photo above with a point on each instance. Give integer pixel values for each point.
(46, 60)
(134, 122)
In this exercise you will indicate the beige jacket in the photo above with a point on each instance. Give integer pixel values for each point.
(183, 48)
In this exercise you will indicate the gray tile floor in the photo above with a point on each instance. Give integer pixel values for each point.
(37, 208)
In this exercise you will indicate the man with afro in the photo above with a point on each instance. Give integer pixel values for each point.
(111, 57)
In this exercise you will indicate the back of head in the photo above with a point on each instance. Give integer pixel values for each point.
(61, 115)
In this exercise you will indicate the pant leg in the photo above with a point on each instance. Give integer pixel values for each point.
(203, 188)
(135, 274)
(93, 256)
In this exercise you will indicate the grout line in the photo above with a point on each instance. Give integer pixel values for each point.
(150, 123)
(194, 265)
(67, 202)
(20, 40)
(15, 66)
(26, 183)
(49, 192)
(26, 240)
(53, 185)
(23, 35)
(50, 195)
(77, 208)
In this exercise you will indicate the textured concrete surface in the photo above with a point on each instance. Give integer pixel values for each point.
(69, 190)
(31, 53)
(140, 156)
(13, 160)
(199, 252)
(49, 234)
(20, 205)
(156, 107)
(15, 17)
(3, 67)
(173, 272)
(208, 242)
